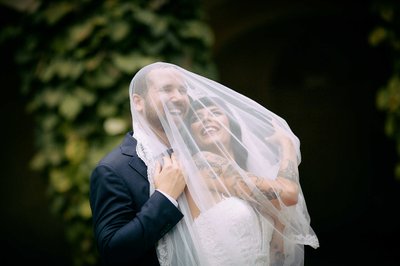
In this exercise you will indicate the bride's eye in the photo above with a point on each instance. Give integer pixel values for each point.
(217, 113)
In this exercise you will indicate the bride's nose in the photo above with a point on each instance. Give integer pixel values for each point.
(207, 117)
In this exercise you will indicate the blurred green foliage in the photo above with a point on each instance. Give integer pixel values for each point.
(387, 34)
(75, 61)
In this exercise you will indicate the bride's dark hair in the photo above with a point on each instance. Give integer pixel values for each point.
(239, 152)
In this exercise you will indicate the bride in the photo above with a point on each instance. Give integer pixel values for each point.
(232, 219)
(243, 203)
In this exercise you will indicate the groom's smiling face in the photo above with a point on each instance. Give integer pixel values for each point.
(166, 90)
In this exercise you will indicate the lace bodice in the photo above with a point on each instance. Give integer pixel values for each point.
(230, 234)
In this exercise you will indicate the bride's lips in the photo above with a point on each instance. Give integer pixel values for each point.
(208, 130)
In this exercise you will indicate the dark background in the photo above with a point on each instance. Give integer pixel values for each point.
(310, 63)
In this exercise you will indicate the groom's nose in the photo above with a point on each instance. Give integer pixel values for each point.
(179, 99)
(177, 95)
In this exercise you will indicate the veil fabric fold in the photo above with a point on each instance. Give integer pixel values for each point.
(243, 203)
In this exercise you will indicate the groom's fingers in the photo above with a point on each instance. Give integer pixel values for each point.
(167, 161)
(173, 158)
(158, 168)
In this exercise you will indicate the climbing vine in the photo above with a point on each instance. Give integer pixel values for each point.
(75, 62)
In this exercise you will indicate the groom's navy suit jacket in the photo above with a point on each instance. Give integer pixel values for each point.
(127, 221)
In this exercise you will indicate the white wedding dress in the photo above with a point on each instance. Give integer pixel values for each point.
(230, 234)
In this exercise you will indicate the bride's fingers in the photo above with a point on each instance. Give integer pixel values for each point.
(278, 135)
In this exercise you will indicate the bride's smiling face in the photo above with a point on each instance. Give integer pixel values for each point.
(209, 127)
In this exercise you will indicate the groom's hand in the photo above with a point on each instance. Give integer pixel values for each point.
(169, 178)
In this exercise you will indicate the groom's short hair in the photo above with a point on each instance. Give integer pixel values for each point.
(141, 84)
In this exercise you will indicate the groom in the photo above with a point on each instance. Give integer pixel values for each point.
(127, 221)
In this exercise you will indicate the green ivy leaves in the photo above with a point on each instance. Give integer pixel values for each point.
(76, 60)
(388, 96)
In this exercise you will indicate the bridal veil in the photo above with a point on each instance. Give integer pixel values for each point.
(239, 159)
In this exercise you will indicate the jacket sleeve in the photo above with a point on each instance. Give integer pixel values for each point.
(123, 233)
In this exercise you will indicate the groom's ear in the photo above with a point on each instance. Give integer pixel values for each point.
(138, 102)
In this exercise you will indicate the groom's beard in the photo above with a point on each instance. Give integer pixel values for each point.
(152, 116)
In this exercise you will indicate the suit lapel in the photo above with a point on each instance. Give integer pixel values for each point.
(139, 166)
(128, 147)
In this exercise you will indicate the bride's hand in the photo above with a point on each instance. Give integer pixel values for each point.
(279, 135)
(210, 166)
(220, 174)
(283, 139)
